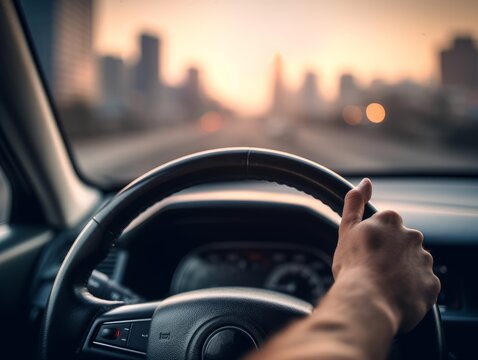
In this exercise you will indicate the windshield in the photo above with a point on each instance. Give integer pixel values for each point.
(359, 86)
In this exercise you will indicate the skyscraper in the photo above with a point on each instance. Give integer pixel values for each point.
(74, 59)
(278, 91)
(63, 32)
(192, 93)
(147, 68)
(459, 64)
(147, 77)
(113, 95)
(348, 90)
(309, 96)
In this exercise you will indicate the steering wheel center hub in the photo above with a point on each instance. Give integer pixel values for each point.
(217, 324)
(229, 342)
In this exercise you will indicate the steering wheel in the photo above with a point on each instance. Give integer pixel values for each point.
(210, 324)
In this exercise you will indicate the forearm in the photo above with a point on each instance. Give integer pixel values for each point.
(352, 322)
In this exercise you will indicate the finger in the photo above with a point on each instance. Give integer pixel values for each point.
(415, 235)
(389, 217)
(354, 204)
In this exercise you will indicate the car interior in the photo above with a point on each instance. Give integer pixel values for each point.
(221, 228)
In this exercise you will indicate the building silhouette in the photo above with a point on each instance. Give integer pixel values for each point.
(309, 99)
(113, 86)
(278, 105)
(191, 94)
(459, 64)
(147, 82)
(349, 91)
(148, 65)
(63, 34)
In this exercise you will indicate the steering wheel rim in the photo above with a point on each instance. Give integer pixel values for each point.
(69, 299)
(229, 164)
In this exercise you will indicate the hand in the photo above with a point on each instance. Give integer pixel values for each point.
(384, 253)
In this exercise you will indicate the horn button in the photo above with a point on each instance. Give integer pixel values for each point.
(228, 343)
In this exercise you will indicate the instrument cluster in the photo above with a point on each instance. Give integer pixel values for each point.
(295, 270)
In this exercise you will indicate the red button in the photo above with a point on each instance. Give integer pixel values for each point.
(110, 333)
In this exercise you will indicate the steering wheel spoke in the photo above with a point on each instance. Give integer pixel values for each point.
(121, 332)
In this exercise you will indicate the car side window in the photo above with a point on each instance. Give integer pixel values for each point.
(5, 198)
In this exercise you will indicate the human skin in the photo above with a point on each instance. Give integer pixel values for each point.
(384, 284)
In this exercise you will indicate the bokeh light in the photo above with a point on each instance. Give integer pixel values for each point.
(352, 114)
(375, 113)
(210, 122)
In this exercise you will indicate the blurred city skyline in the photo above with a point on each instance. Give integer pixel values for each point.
(352, 85)
(388, 46)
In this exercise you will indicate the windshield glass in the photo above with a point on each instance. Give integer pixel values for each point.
(364, 87)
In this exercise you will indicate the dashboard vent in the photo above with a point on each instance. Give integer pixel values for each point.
(114, 264)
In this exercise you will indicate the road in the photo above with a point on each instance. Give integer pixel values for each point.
(127, 156)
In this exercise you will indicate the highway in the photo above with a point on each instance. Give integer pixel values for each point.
(123, 157)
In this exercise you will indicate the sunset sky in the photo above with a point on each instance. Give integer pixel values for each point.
(234, 42)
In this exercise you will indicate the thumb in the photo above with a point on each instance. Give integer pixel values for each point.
(354, 204)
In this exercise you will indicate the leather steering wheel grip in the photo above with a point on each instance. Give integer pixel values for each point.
(229, 164)
(71, 309)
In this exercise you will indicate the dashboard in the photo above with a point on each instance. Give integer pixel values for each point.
(298, 271)
(273, 237)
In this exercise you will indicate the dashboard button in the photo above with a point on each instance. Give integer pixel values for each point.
(114, 334)
(138, 339)
(110, 333)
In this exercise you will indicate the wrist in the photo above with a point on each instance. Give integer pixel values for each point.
(364, 287)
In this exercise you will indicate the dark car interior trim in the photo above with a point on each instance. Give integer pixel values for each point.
(35, 243)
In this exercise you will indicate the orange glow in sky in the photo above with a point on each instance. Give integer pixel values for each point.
(234, 42)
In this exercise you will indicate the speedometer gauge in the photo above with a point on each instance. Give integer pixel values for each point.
(298, 280)
(296, 270)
